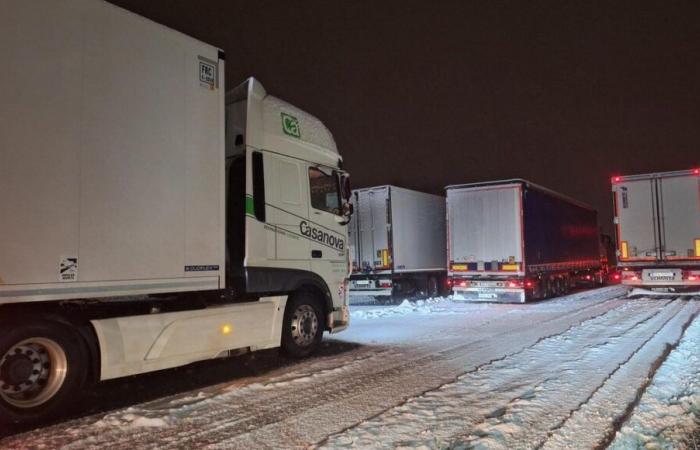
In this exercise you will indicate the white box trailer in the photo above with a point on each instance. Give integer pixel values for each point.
(514, 241)
(149, 219)
(397, 241)
(657, 218)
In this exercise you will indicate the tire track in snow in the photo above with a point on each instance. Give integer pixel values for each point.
(594, 423)
(439, 416)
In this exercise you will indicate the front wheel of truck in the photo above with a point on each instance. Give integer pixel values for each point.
(303, 325)
(42, 370)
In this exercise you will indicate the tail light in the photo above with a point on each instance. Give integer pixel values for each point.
(630, 276)
(449, 282)
(616, 276)
(691, 275)
(463, 283)
(385, 283)
(529, 284)
(514, 284)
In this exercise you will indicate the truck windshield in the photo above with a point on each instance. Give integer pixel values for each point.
(325, 195)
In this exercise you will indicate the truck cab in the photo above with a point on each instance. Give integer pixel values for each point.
(288, 220)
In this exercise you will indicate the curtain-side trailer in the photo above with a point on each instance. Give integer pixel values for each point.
(513, 241)
(397, 242)
(657, 218)
(148, 219)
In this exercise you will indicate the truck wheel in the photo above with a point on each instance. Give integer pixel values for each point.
(433, 288)
(42, 370)
(303, 325)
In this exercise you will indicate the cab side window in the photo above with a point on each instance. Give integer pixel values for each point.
(324, 191)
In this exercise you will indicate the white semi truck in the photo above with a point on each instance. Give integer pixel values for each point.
(397, 243)
(148, 219)
(657, 217)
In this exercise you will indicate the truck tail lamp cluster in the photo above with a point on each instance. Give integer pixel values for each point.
(456, 282)
(520, 284)
(629, 275)
(384, 283)
(691, 275)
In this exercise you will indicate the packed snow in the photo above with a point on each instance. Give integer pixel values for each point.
(581, 371)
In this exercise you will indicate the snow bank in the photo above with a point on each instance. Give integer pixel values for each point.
(131, 420)
(429, 306)
(669, 410)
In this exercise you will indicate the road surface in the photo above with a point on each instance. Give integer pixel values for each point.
(590, 370)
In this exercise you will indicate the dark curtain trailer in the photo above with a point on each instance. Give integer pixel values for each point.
(514, 241)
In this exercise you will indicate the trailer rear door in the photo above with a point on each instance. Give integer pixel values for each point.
(485, 228)
(373, 228)
(680, 222)
(635, 201)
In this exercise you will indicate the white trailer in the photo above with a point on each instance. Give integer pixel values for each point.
(150, 220)
(397, 242)
(657, 217)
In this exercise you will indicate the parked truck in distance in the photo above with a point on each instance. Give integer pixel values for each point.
(514, 241)
(397, 242)
(657, 218)
(149, 219)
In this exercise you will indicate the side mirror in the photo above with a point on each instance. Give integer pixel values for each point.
(348, 210)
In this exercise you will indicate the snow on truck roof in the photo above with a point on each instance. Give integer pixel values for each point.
(523, 182)
(270, 119)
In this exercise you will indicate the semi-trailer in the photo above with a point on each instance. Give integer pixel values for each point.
(397, 242)
(657, 220)
(149, 219)
(514, 241)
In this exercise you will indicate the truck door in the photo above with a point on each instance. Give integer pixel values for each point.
(325, 229)
(635, 202)
(679, 199)
(287, 206)
(373, 227)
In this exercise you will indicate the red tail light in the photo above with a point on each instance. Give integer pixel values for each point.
(617, 277)
(463, 283)
(616, 179)
(693, 278)
(529, 284)
(514, 284)
(696, 171)
(449, 282)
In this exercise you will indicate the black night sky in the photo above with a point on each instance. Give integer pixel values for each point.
(422, 94)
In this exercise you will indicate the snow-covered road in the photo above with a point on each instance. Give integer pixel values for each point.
(585, 371)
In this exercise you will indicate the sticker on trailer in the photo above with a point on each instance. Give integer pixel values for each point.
(68, 269)
(207, 73)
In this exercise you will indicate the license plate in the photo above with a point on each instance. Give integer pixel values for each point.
(362, 282)
(488, 295)
(662, 276)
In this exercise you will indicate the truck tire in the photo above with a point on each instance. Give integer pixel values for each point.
(433, 287)
(43, 368)
(303, 325)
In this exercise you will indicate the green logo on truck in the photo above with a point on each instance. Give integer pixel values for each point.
(290, 125)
